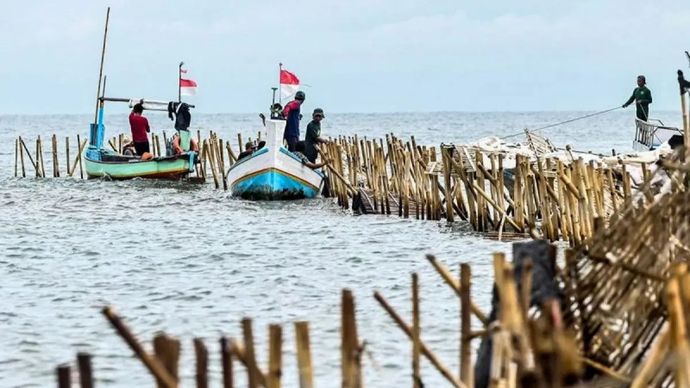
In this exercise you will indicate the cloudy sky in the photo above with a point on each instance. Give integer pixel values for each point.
(355, 55)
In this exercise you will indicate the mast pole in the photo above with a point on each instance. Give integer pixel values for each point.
(179, 82)
(100, 71)
(280, 94)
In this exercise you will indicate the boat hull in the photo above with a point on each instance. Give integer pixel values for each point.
(171, 168)
(273, 184)
(273, 174)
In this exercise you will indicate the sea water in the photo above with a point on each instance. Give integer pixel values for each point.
(193, 261)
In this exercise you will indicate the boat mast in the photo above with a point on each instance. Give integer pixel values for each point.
(179, 82)
(100, 71)
(280, 94)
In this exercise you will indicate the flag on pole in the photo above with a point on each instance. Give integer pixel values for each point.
(289, 84)
(187, 86)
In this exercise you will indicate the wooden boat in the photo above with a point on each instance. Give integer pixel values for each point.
(650, 136)
(272, 172)
(101, 162)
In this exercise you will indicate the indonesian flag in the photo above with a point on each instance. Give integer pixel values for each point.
(187, 86)
(289, 84)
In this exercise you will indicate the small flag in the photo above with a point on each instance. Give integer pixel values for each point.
(187, 86)
(289, 84)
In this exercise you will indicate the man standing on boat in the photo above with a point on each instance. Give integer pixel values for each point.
(313, 136)
(140, 129)
(642, 98)
(292, 115)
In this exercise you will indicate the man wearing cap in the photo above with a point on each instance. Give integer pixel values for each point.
(292, 115)
(249, 149)
(313, 136)
(642, 97)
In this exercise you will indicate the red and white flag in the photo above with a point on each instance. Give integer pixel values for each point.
(289, 84)
(187, 86)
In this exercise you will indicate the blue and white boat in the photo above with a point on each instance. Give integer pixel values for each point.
(273, 172)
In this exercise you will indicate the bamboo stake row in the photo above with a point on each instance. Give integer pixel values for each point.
(37, 163)
(162, 363)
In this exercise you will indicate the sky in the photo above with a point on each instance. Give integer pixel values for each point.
(351, 56)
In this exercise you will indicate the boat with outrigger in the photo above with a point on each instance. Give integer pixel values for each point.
(101, 162)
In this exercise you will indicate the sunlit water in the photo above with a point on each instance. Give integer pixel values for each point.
(193, 261)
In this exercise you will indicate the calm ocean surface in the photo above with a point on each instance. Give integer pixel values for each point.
(192, 261)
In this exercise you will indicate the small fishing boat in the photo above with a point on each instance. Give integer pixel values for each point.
(101, 162)
(272, 172)
(650, 135)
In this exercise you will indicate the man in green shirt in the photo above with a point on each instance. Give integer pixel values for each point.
(313, 136)
(642, 97)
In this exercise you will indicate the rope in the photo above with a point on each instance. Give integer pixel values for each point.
(563, 122)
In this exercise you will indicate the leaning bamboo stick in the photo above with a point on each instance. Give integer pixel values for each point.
(466, 375)
(79, 155)
(416, 377)
(28, 153)
(21, 156)
(424, 349)
(455, 285)
(152, 363)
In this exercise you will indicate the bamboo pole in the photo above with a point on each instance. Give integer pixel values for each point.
(223, 173)
(21, 155)
(303, 355)
(253, 373)
(212, 161)
(424, 349)
(679, 334)
(466, 375)
(79, 156)
(67, 155)
(38, 157)
(16, 156)
(85, 370)
(64, 376)
(56, 165)
(152, 363)
(201, 363)
(167, 351)
(275, 335)
(28, 153)
(416, 377)
(226, 362)
(350, 355)
(456, 286)
(655, 358)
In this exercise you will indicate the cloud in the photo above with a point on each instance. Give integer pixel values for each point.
(357, 55)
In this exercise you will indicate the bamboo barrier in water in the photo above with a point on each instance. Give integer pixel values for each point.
(537, 196)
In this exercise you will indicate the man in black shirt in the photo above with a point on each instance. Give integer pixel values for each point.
(313, 136)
